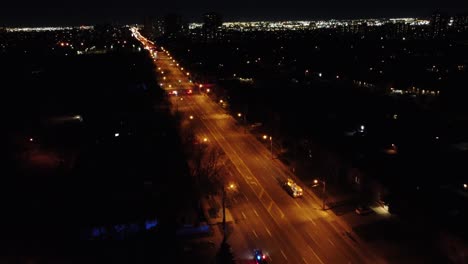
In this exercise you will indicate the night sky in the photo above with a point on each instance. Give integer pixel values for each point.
(54, 12)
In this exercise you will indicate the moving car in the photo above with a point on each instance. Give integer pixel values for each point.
(259, 257)
(363, 210)
(292, 188)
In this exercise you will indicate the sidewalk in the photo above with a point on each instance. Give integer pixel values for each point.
(213, 210)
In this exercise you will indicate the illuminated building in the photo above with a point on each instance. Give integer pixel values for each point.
(212, 24)
(439, 24)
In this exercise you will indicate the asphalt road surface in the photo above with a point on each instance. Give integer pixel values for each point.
(287, 229)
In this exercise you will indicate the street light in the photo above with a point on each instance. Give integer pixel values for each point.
(324, 190)
(224, 213)
(271, 144)
(271, 147)
(239, 114)
(232, 188)
(191, 117)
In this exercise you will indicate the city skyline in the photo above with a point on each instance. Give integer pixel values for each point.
(75, 16)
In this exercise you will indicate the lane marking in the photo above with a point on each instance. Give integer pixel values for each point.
(245, 217)
(315, 254)
(255, 211)
(284, 255)
(313, 222)
(331, 242)
(281, 212)
(261, 193)
(238, 163)
(245, 196)
(305, 260)
(255, 233)
(298, 204)
(268, 231)
(269, 207)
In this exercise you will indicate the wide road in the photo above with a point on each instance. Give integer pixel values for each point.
(289, 230)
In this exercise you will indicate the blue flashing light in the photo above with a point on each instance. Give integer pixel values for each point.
(95, 232)
(258, 257)
(98, 231)
(119, 228)
(150, 224)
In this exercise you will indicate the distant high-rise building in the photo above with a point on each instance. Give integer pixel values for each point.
(460, 22)
(212, 23)
(159, 27)
(439, 24)
(312, 25)
(148, 28)
(174, 26)
(169, 26)
(402, 28)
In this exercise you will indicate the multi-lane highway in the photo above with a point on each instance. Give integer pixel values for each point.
(289, 230)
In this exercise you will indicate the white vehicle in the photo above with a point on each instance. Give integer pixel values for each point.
(292, 188)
